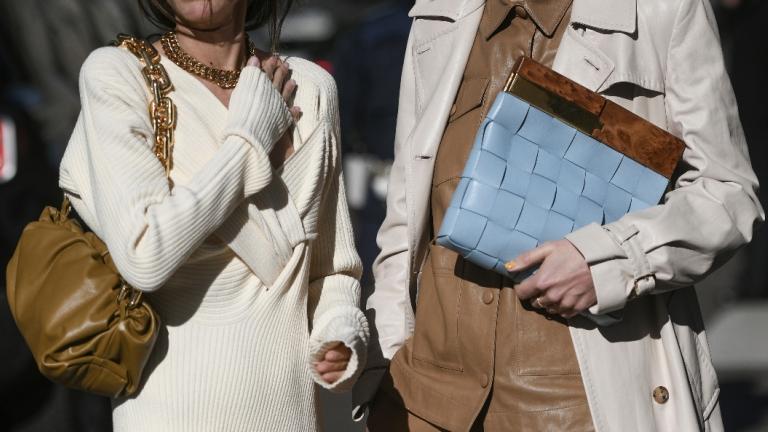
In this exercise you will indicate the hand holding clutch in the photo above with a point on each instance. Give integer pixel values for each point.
(563, 283)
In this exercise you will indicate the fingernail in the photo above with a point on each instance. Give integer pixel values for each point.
(510, 265)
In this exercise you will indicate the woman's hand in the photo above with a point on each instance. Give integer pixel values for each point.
(334, 362)
(563, 283)
(279, 73)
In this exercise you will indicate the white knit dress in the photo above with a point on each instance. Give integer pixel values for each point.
(253, 272)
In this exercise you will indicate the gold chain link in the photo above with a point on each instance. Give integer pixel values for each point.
(162, 110)
(226, 79)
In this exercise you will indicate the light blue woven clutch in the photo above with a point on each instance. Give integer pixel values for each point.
(533, 177)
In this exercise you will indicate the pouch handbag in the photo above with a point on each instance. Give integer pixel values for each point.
(87, 329)
(550, 157)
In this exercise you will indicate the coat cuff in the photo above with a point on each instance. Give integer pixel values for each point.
(345, 324)
(619, 268)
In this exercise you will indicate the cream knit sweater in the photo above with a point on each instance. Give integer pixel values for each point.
(252, 271)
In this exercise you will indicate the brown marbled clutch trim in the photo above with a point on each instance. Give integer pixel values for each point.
(609, 123)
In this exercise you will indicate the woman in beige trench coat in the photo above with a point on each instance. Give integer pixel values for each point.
(662, 60)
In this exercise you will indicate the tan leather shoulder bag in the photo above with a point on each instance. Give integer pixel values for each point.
(86, 327)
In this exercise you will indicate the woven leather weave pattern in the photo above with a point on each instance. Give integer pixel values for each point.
(532, 178)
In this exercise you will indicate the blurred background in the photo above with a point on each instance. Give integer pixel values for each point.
(361, 42)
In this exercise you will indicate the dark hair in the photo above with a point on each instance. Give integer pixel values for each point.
(259, 13)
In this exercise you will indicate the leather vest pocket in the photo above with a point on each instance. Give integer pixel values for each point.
(438, 308)
(544, 344)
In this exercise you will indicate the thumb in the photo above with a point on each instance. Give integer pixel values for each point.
(529, 259)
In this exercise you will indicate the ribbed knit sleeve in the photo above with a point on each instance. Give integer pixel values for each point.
(335, 269)
(149, 229)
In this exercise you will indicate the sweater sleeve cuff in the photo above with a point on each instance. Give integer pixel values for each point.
(344, 324)
(609, 265)
(257, 111)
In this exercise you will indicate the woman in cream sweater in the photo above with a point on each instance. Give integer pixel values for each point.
(249, 257)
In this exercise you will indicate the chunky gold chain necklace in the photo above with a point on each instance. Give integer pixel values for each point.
(223, 78)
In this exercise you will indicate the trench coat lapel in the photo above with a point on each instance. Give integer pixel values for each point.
(456, 43)
(422, 143)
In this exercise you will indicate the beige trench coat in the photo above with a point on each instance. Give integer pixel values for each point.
(661, 59)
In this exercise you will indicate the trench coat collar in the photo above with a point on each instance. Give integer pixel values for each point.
(545, 14)
(610, 15)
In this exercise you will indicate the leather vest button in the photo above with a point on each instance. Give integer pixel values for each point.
(661, 395)
(485, 380)
(488, 297)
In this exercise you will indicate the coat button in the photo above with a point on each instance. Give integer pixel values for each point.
(485, 380)
(488, 297)
(661, 395)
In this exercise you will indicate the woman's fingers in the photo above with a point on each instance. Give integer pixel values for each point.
(295, 113)
(288, 90)
(338, 353)
(331, 371)
(269, 66)
(327, 366)
(528, 289)
(331, 377)
(530, 258)
(279, 73)
(334, 363)
(280, 76)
